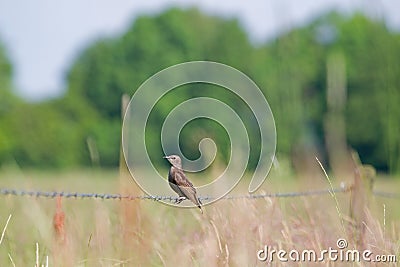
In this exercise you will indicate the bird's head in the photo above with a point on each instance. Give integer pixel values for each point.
(174, 160)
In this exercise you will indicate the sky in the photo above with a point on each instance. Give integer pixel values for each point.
(42, 38)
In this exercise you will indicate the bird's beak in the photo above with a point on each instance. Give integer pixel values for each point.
(165, 157)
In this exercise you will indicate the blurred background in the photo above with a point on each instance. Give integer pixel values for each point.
(330, 71)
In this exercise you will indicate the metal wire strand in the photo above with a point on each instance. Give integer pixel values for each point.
(76, 195)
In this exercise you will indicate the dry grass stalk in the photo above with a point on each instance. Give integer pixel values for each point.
(229, 234)
(11, 260)
(37, 264)
(4, 229)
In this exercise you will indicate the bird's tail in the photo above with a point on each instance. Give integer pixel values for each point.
(199, 205)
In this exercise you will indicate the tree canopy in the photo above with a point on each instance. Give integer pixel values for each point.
(290, 70)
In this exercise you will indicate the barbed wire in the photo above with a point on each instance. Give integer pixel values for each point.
(386, 194)
(54, 194)
(282, 195)
(105, 196)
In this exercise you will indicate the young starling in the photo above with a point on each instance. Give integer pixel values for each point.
(179, 183)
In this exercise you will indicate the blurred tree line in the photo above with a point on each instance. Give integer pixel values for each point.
(84, 126)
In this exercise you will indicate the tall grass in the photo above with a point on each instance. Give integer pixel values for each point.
(89, 232)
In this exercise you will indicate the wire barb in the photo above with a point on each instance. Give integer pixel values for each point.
(76, 195)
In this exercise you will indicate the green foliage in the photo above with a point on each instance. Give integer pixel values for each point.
(5, 75)
(112, 67)
(290, 70)
(290, 75)
(295, 82)
(7, 102)
(373, 113)
(43, 136)
(106, 137)
(50, 134)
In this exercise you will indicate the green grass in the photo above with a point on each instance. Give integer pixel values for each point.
(147, 233)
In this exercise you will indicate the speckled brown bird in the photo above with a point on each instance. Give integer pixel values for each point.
(179, 183)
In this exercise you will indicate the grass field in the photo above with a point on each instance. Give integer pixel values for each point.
(93, 232)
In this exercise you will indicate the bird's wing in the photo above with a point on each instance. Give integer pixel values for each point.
(177, 189)
(181, 180)
(186, 187)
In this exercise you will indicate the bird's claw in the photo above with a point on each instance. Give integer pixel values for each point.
(179, 200)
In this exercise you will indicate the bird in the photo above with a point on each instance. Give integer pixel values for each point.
(180, 184)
